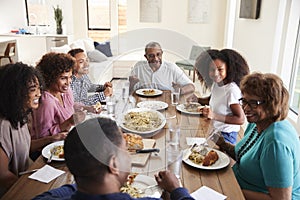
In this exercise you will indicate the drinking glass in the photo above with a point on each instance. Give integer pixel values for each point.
(173, 135)
(174, 160)
(111, 105)
(175, 95)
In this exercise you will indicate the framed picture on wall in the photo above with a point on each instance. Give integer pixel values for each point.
(250, 9)
(150, 11)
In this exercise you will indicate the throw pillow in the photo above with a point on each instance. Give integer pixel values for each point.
(78, 44)
(96, 56)
(88, 44)
(104, 48)
(62, 49)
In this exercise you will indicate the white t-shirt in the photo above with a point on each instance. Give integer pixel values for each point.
(220, 101)
(162, 78)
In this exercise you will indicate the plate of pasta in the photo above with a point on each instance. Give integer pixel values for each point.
(57, 148)
(143, 121)
(140, 182)
(149, 92)
(197, 160)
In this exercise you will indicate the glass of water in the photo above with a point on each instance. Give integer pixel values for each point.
(175, 95)
(111, 105)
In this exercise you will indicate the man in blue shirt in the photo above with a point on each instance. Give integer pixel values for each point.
(96, 154)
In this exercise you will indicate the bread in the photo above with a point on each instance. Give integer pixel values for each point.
(97, 106)
(210, 158)
(133, 141)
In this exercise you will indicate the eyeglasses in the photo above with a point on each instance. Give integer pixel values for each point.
(251, 103)
(153, 55)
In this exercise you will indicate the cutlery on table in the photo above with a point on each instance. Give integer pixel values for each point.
(50, 158)
(150, 187)
(27, 172)
(147, 150)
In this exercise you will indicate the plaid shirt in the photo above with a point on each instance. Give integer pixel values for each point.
(81, 87)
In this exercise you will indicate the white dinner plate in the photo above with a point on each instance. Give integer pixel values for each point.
(222, 162)
(141, 92)
(155, 105)
(182, 109)
(46, 150)
(144, 133)
(142, 181)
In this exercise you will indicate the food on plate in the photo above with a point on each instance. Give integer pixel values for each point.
(97, 106)
(210, 158)
(133, 141)
(58, 151)
(149, 92)
(142, 121)
(129, 189)
(192, 107)
(203, 157)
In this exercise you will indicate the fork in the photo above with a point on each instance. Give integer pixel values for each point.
(150, 187)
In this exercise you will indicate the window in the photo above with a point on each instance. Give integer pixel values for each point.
(295, 80)
(102, 23)
(37, 13)
(98, 14)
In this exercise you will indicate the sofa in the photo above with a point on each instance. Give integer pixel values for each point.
(101, 58)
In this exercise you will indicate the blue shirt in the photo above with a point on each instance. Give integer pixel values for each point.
(69, 192)
(273, 160)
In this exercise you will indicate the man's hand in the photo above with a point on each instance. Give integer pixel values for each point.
(108, 84)
(167, 181)
(192, 98)
(108, 91)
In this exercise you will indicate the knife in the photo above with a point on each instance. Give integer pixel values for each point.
(27, 172)
(147, 150)
(50, 158)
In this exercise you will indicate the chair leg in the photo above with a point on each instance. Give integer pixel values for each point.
(10, 60)
(194, 75)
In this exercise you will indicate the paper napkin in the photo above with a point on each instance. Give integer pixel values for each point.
(206, 193)
(46, 174)
(193, 140)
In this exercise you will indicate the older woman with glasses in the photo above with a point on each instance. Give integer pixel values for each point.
(267, 158)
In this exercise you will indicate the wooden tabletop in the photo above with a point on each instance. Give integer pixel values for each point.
(221, 180)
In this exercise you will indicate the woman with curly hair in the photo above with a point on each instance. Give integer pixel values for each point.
(56, 111)
(222, 71)
(267, 158)
(20, 93)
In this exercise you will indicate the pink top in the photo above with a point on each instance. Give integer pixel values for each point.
(50, 114)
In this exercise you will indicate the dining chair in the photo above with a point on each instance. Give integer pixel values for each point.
(9, 52)
(188, 64)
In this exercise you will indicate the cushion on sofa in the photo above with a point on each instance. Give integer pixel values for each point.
(62, 49)
(104, 48)
(96, 56)
(88, 44)
(78, 44)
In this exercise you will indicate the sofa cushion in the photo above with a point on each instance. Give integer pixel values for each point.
(104, 48)
(78, 44)
(96, 56)
(62, 49)
(88, 44)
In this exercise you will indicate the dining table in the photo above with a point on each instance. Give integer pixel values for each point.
(221, 179)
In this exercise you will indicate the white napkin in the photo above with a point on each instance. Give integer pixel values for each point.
(46, 174)
(193, 140)
(206, 193)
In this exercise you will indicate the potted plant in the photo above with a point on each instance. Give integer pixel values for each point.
(58, 19)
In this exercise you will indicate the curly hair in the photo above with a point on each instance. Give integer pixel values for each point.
(54, 64)
(15, 80)
(237, 66)
(271, 89)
